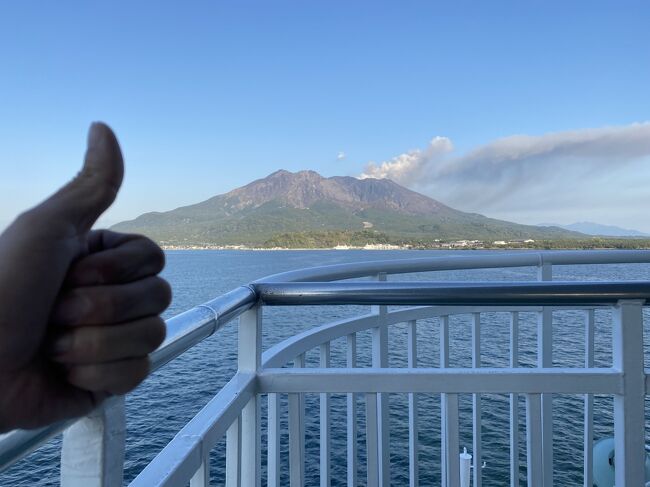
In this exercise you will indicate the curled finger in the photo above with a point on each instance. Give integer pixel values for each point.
(108, 343)
(98, 305)
(117, 377)
(116, 258)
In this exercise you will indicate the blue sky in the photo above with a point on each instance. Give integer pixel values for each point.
(207, 96)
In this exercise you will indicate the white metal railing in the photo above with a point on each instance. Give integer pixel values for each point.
(235, 411)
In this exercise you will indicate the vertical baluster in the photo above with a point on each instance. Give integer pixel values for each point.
(202, 476)
(545, 359)
(452, 445)
(380, 359)
(325, 422)
(589, 402)
(93, 448)
(233, 454)
(476, 401)
(629, 407)
(534, 447)
(250, 353)
(371, 440)
(297, 433)
(273, 449)
(444, 362)
(413, 407)
(448, 417)
(351, 359)
(514, 402)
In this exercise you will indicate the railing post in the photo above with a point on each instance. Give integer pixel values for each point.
(444, 363)
(588, 447)
(629, 407)
(325, 422)
(202, 476)
(514, 402)
(249, 359)
(450, 465)
(380, 359)
(297, 433)
(92, 454)
(273, 461)
(414, 479)
(233, 454)
(534, 446)
(351, 362)
(545, 360)
(476, 401)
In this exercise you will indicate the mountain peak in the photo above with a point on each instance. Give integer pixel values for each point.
(303, 189)
(305, 174)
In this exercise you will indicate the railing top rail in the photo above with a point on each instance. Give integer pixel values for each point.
(459, 262)
(452, 293)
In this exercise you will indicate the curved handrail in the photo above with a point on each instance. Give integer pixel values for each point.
(452, 293)
(455, 262)
(283, 352)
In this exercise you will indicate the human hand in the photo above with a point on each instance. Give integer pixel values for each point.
(86, 300)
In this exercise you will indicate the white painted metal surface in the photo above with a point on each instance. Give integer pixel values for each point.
(297, 432)
(233, 453)
(545, 359)
(588, 421)
(93, 448)
(273, 447)
(629, 404)
(465, 468)
(235, 411)
(476, 401)
(514, 402)
(325, 423)
(412, 350)
(351, 418)
(250, 355)
(380, 360)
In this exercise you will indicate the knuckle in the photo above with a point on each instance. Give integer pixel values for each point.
(85, 377)
(112, 305)
(156, 256)
(137, 372)
(146, 253)
(163, 291)
(156, 333)
(94, 344)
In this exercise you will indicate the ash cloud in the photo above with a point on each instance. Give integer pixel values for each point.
(495, 173)
(409, 167)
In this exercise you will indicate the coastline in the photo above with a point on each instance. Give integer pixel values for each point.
(334, 249)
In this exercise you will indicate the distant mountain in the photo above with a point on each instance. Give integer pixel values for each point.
(286, 203)
(596, 229)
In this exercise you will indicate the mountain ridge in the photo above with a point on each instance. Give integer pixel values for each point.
(599, 229)
(286, 203)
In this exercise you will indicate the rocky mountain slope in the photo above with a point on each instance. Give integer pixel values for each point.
(286, 203)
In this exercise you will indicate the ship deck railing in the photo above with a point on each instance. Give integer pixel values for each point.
(92, 452)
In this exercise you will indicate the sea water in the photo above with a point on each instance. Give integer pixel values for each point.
(171, 396)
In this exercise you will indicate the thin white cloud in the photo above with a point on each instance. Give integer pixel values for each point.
(340, 156)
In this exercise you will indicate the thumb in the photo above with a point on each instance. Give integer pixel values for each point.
(79, 203)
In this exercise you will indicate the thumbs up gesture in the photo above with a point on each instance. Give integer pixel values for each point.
(79, 309)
